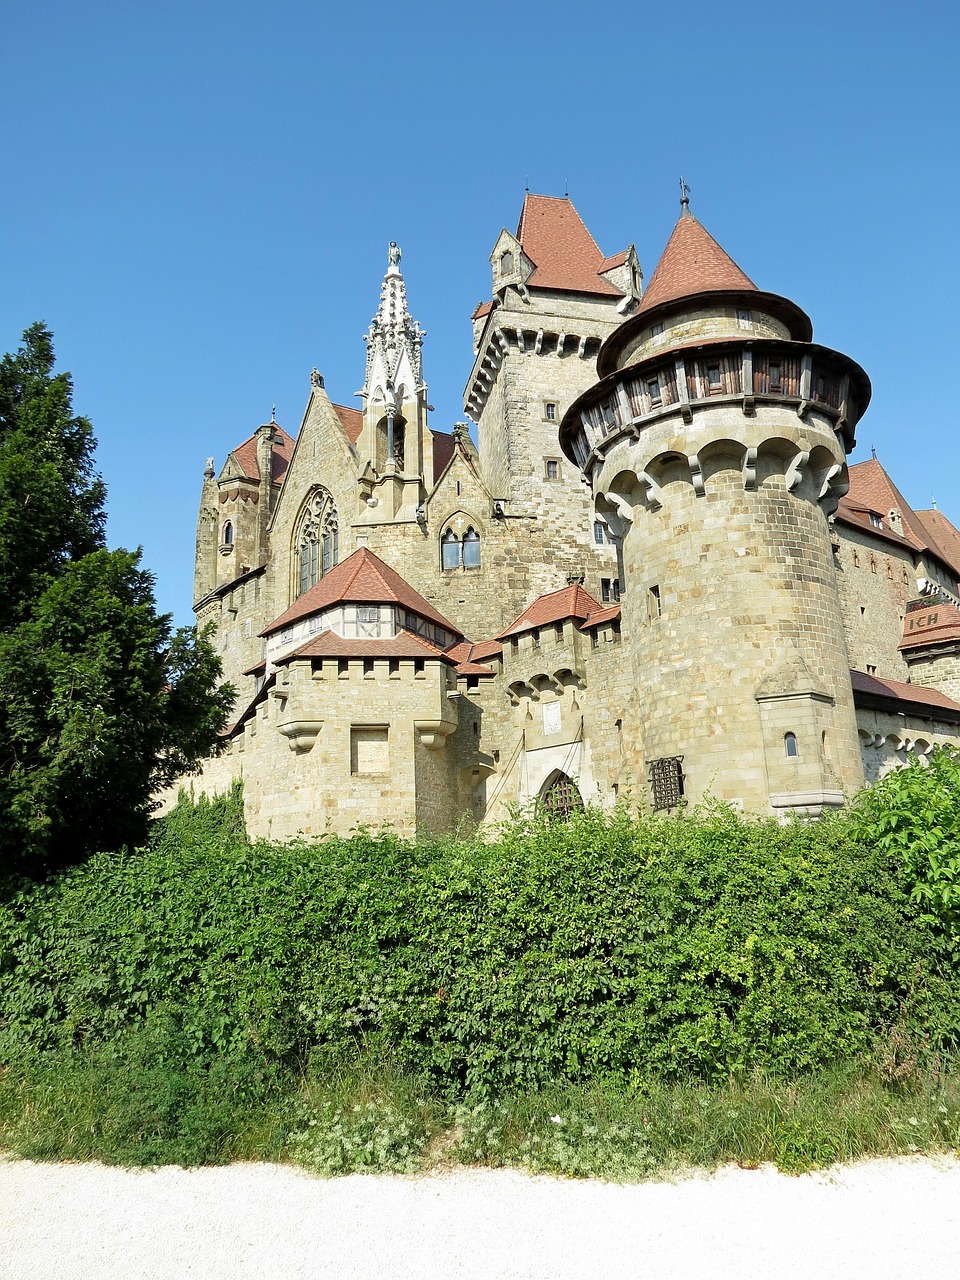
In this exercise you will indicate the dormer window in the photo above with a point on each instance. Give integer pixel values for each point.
(875, 520)
(506, 263)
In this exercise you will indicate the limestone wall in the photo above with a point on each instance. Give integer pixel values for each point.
(876, 578)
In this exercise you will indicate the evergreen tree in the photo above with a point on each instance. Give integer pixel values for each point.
(101, 702)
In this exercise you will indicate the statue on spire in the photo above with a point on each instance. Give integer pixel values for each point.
(393, 254)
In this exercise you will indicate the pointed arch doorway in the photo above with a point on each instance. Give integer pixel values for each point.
(560, 796)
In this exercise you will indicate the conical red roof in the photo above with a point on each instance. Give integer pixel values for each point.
(692, 263)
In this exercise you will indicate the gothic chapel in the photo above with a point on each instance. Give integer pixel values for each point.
(654, 576)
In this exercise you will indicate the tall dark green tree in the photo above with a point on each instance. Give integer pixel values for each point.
(101, 701)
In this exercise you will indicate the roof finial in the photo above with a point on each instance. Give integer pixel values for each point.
(526, 185)
(273, 415)
(566, 188)
(873, 451)
(684, 197)
(393, 254)
(934, 501)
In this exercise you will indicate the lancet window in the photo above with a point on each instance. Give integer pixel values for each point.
(317, 544)
(456, 552)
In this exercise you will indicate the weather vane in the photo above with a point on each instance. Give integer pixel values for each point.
(684, 195)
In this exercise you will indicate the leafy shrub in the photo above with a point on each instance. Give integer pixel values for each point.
(605, 947)
(913, 816)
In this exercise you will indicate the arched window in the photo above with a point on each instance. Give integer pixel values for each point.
(455, 552)
(450, 550)
(228, 533)
(317, 542)
(506, 263)
(331, 540)
(790, 744)
(561, 797)
(471, 549)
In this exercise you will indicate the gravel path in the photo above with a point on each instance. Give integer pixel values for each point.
(880, 1219)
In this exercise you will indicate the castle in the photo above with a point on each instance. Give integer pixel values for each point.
(653, 577)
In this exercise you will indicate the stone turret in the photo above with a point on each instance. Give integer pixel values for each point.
(715, 448)
(395, 444)
(555, 299)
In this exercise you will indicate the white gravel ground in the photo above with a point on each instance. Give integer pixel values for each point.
(881, 1219)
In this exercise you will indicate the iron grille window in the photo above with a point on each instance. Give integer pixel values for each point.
(666, 779)
(561, 798)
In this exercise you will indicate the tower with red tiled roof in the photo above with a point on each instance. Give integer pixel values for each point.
(715, 446)
(556, 297)
(236, 507)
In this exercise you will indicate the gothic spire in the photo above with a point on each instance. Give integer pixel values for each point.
(394, 339)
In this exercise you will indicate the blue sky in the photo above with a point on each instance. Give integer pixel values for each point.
(199, 197)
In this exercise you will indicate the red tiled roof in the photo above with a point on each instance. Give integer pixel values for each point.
(565, 254)
(871, 489)
(443, 444)
(617, 260)
(486, 649)
(568, 602)
(362, 578)
(913, 694)
(944, 533)
(483, 309)
(467, 657)
(692, 263)
(330, 645)
(257, 669)
(246, 456)
(610, 614)
(351, 420)
(933, 625)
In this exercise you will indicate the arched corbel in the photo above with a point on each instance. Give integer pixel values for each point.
(650, 492)
(750, 469)
(831, 491)
(794, 475)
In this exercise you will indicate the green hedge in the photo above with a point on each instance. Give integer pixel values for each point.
(606, 948)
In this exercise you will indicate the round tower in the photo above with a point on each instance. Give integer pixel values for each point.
(715, 445)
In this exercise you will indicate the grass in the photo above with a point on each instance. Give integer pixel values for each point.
(365, 1117)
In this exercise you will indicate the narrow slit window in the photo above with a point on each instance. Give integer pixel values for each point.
(790, 744)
